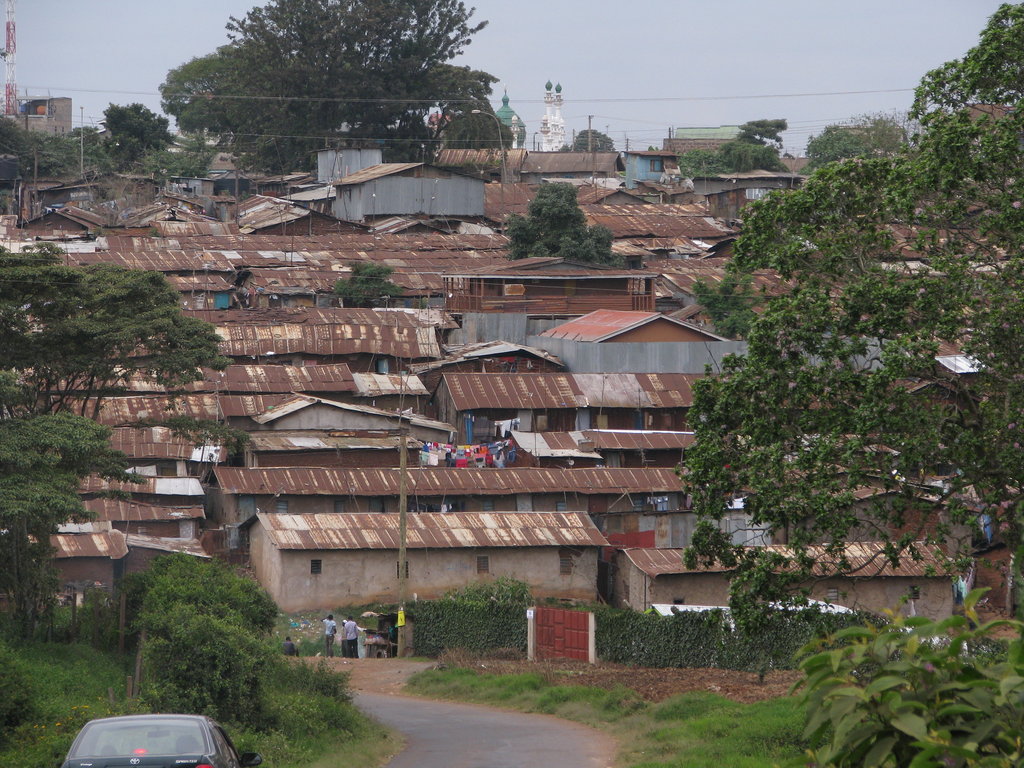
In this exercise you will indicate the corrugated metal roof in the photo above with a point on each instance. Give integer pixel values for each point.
(483, 158)
(866, 559)
(376, 172)
(324, 441)
(473, 391)
(333, 339)
(122, 411)
(554, 444)
(200, 282)
(151, 443)
(109, 544)
(182, 546)
(298, 402)
(419, 318)
(209, 228)
(123, 510)
(557, 444)
(485, 349)
(656, 220)
(276, 379)
(431, 531)
(550, 268)
(600, 324)
(380, 384)
(157, 486)
(431, 481)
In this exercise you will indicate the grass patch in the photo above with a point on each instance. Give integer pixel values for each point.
(692, 730)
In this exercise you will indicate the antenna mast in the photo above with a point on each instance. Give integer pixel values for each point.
(10, 54)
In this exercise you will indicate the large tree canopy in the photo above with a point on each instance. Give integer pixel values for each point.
(72, 336)
(875, 135)
(840, 399)
(555, 226)
(135, 130)
(299, 72)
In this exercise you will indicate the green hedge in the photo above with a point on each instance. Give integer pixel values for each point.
(706, 639)
(445, 624)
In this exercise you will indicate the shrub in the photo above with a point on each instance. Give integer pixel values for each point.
(480, 617)
(912, 693)
(15, 697)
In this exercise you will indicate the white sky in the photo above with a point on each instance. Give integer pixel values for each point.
(639, 67)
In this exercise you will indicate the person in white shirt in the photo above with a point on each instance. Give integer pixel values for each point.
(350, 638)
(330, 630)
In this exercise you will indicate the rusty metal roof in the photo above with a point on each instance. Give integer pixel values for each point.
(191, 228)
(472, 391)
(866, 559)
(656, 220)
(122, 510)
(329, 339)
(420, 318)
(110, 544)
(191, 547)
(124, 411)
(276, 379)
(260, 442)
(156, 486)
(162, 259)
(205, 281)
(562, 445)
(549, 268)
(604, 324)
(573, 162)
(376, 172)
(431, 481)
(151, 443)
(529, 391)
(380, 384)
(556, 444)
(489, 157)
(298, 402)
(431, 531)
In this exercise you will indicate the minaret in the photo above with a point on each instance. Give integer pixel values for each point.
(552, 126)
(513, 122)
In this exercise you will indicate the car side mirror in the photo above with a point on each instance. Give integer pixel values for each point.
(248, 759)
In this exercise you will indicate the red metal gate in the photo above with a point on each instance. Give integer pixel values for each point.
(562, 634)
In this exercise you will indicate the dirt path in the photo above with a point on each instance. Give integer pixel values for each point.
(378, 675)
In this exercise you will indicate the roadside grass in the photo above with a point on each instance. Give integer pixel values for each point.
(692, 730)
(314, 723)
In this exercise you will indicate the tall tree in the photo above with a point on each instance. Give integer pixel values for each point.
(72, 336)
(840, 390)
(555, 226)
(135, 130)
(876, 135)
(589, 140)
(368, 285)
(297, 72)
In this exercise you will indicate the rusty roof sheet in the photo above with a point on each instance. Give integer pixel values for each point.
(261, 442)
(159, 258)
(110, 544)
(298, 402)
(549, 268)
(205, 281)
(656, 220)
(472, 391)
(259, 211)
(420, 318)
(866, 560)
(293, 279)
(123, 510)
(191, 228)
(191, 547)
(380, 384)
(376, 172)
(431, 481)
(155, 486)
(151, 443)
(488, 157)
(431, 530)
(276, 379)
(569, 443)
(287, 339)
(554, 444)
(601, 324)
(339, 242)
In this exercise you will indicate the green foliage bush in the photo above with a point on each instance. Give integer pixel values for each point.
(480, 617)
(911, 693)
(16, 704)
(205, 664)
(706, 638)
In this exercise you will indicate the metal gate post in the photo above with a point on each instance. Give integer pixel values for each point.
(531, 633)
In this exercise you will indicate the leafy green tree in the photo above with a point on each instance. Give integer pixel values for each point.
(555, 226)
(190, 156)
(205, 648)
(742, 156)
(72, 336)
(297, 72)
(368, 285)
(730, 302)
(867, 136)
(702, 162)
(916, 692)
(482, 130)
(840, 388)
(134, 130)
(764, 132)
(592, 141)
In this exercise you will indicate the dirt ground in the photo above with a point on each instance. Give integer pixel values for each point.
(389, 676)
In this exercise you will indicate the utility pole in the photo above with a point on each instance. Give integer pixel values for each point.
(81, 139)
(590, 133)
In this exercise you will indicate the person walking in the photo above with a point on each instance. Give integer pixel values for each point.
(350, 638)
(330, 630)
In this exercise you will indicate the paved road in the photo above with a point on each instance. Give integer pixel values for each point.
(444, 735)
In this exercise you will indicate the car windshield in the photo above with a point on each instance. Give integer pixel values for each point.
(153, 736)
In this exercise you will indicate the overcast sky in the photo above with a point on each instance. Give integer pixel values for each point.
(640, 67)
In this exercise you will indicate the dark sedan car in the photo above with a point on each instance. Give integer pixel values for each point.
(156, 741)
